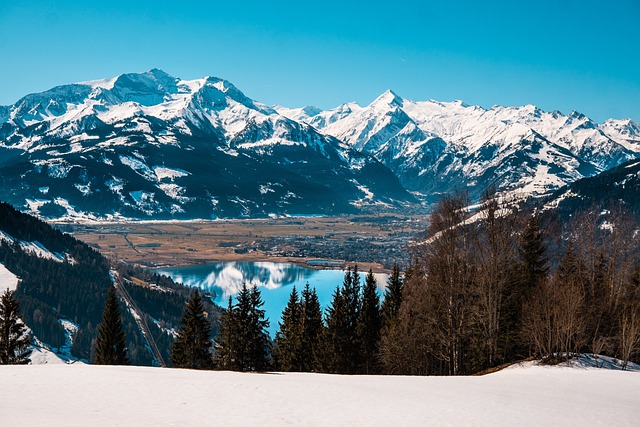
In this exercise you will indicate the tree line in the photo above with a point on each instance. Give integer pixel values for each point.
(484, 288)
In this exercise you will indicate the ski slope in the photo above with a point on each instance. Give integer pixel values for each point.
(81, 395)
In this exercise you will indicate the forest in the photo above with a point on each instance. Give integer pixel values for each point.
(75, 287)
(483, 289)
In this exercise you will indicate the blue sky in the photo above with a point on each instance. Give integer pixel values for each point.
(565, 55)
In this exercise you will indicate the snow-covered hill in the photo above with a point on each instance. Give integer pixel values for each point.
(151, 145)
(437, 146)
(135, 396)
(619, 185)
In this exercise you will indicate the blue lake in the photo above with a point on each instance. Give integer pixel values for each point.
(275, 281)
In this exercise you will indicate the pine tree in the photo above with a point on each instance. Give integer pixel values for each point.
(192, 347)
(226, 341)
(369, 325)
(335, 340)
(111, 346)
(392, 297)
(250, 342)
(259, 346)
(352, 305)
(288, 349)
(532, 255)
(311, 329)
(532, 268)
(14, 337)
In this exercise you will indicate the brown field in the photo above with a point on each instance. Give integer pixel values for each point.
(155, 244)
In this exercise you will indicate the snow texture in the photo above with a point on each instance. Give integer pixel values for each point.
(8, 280)
(521, 396)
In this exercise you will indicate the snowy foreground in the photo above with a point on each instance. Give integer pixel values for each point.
(81, 395)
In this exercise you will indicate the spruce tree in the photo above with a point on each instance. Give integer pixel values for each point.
(352, 305)
(192, 347)
(259, 344)
(251, 340)
(111, 346)
(335, 340)
(14, 336)
(226, 341)
(369, 325)
(531, 272)
(532, 255)
(288, 348)
(392, 297)
(311, 329)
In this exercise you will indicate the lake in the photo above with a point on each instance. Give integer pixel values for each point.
(274, 279)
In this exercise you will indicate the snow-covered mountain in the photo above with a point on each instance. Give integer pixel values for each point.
(436, 147)
(619, 186)
(151, 145)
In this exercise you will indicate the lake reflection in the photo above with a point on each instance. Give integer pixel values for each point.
(275, 280)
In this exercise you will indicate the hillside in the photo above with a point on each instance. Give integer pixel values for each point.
(523, 396)
(617, 186)
(62, 286)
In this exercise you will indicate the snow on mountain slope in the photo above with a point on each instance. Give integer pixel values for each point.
(112, 395)
(8, 280)
(107, 149)
(91, 150)
(436, 146)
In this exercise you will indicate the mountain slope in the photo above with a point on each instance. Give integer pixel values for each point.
(151, 145)
(436, 147)
(619, 186)
(62, 286)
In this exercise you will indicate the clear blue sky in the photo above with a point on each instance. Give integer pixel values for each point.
(562, 54)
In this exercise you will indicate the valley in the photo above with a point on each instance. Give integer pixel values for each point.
(372, 241)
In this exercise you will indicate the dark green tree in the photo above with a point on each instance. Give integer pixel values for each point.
(335, 339)
(392, 297)
(533, 257)
(226, 341)
(369, 326)
(311, 329)
(192, 347)
(248, 340)
(530, 273)
(259, 343)
(111, 346)
(14, 337)
(352, 305)
(288, 345)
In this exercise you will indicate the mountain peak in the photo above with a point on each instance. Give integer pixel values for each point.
(389, 97)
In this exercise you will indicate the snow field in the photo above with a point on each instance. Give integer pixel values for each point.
(8, 280)
(138, 396)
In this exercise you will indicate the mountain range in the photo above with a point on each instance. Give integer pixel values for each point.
(149, 145)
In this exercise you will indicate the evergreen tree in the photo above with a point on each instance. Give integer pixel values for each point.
(352, 304)
(531, 273)
(14, 337)
(226, 342)
(392, 297)
(249, 339)
(111, 346)
(288, 349)
(311, 329)
(533, 255)
(192, 347)
(259, 344)
(369, 325)
(335, 340)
